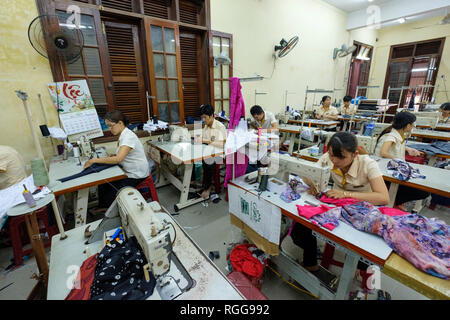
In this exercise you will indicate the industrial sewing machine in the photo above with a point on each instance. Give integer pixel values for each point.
(179, 134)
(87, 147)
(146, 221)
(319, 175)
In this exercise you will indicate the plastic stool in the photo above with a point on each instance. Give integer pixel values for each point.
(327, 257)
(147, 189)
(17, 224)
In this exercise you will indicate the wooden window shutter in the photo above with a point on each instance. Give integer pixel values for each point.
(125, 5)
(190, 70)
(157, 8)
(189, 12)
(127, 72)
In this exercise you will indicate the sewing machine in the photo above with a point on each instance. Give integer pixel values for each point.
(179, 134)
(319, 175)
(154, 234)
(87, 147)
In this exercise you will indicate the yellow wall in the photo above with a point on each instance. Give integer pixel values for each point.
(21, 67)
(405, 33)
(258, 25)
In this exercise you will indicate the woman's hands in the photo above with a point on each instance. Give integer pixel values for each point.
(89, 163)
(413, 152)
(335, 194)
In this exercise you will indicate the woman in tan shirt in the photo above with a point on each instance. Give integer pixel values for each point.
(355, 176)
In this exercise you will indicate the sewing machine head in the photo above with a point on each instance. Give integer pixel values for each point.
(179, 134)
(87, 147)
(138, 218)
(287, 164)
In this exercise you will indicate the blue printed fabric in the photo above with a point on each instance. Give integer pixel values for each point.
(96, 167)
(423, 241)
(402, 170)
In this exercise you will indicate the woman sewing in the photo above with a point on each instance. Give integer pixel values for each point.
(326, 111)
(129, 155)
(355, 175)
(391, 144)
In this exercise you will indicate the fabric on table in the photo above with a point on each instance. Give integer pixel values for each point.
(119, 274)
(422, 241)
(96, 167)
(438, 147)
(402, 170)
(83, 282)
(392, 212)
(242, 260)
(338, 202)
(309, 211)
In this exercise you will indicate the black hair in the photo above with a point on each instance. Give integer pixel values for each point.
(343, 141)
(256, 110)
(401, 120)
(207, 109)
(116, 116)
(348, 98)
(324, 98)
(445, 106)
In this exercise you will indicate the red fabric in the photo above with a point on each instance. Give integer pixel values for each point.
(245, 286)
(83, 282)
(339, 202)
(413, 159)
(242, 260)
(310, 211)
(392, 212)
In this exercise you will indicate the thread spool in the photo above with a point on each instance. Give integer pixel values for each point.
(28, 197)
(40, 174)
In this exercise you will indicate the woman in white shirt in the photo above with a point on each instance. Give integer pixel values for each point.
(391, 144)
(129, 155)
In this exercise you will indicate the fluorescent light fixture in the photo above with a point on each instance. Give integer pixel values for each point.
(401, 20)
(419, 70)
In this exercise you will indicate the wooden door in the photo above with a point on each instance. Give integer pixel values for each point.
(163, 58)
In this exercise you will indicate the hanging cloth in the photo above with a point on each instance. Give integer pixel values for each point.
(237, 110)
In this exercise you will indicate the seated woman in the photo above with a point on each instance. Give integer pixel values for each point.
(129, 155)
(391, 144)
(355, 176)
(444, 109)
(327, 112)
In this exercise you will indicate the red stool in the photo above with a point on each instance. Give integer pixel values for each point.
(327, 257)
(147, 189)
(19, 236)
(245, 286)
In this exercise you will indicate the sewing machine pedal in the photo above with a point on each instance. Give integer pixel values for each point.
(326, 277)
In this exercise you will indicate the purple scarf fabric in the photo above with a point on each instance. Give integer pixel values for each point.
(237, 110)
(422, 241)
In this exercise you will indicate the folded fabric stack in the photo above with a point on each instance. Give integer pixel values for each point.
(402, 170)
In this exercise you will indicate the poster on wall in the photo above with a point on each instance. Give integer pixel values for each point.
(76, 109)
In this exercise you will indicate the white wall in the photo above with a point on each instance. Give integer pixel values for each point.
(406, 33)
(258, 25)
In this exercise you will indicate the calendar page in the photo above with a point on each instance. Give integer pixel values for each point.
(76, 109)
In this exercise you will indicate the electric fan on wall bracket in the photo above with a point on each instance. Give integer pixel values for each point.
(47, 34)
(285, 47)
(343, 51)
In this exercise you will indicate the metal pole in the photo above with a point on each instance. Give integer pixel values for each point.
(24, 97)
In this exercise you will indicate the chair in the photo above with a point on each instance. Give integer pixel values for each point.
(19, 237)
(147, 189)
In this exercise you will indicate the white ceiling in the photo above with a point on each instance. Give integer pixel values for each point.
(353, 5)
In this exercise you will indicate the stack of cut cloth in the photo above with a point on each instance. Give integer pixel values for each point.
(150, 126)
(422, 241)
(402, 170)
(438, 147)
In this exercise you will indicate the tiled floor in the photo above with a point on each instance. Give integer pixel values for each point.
(211, 230)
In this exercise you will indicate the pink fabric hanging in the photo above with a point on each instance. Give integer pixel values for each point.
(237, 110)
